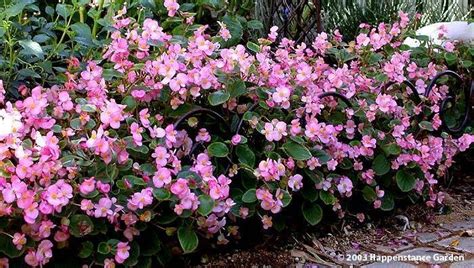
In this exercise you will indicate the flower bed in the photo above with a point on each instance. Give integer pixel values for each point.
(174, 137)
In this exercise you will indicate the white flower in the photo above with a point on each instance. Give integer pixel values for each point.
(10, 123)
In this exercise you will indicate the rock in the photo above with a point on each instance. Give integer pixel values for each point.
(426, 237)
(460, 225)
(463, 264)
(465, 244)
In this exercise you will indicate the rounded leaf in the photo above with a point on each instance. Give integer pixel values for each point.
(188, 239)
(206, 204)
(381, 165)
(312, 213)
(218, 149)
(297, 151)
(405, 180)
(218, 97)
(250, 196)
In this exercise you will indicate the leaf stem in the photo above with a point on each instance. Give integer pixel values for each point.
(96, 18)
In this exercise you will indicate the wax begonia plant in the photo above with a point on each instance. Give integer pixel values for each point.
(172, 136)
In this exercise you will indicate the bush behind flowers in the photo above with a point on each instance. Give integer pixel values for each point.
(176, 139)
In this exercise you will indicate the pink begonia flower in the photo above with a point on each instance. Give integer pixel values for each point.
(223, 31)
(98, 141)
(267, 200)
(385, 103)
(59, 194)
(449, 46)
(270, 170)
(267, 222)
(236, 139)
(144, 117)
(295, 182)
(377, 203)
(112, 114)
(103, 208)
(172, 6)
(275, 130)
(19, 240)
(203, 136)
(404, 19)
(87, 186)
(161, 156)
(162, 177)
(45, 228)
(141, 199)
(41, 256)
(345, 186)
(273, 33)
(282, 95)
(243, 212)
(156, 132)
(109, 263)
(219, 189)
(180, 188)
(136, 131)
(122, 252)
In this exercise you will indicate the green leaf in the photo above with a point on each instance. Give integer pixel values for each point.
(152, 243)
(314, 175)
(130, 102)
(426, 125)
(187, 239)
(83, 33)
(206, 204)
(387, 203)
(86, 249)
(31, 48)
(286, 200)
(112, 172)
(253, 47)
(405, 180)
(312, 213)
(161, 194)
(134, 180)
(254, 24)
(62, 10)
(218, 97)
(392, 149)
(450, 57)
(89, 108)
(321, 155)
(381, 165)
(297, 151)
(218, 149)
(15, 9)
(237, 88)
(76, 124)
(369, 194)
(8, 248)
(250, 196)
(245, 155)
(235, 29)
(80, 225)
(309, 193)
(103, 248)
(327, 198)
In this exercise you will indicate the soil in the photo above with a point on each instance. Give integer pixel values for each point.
(332, 242)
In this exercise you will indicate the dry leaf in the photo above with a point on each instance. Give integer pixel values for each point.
(454, 243)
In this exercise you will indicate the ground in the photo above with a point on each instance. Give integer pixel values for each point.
(445, 236)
